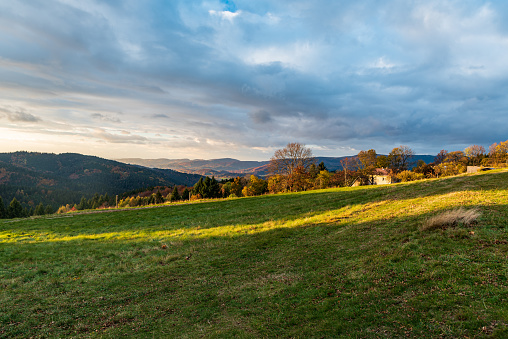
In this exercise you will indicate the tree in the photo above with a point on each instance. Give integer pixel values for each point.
(400, 158)
(382, 161)
(185, 194)
(237, 186)
(293, 163)
(3, 211)
(299, 180)
(15, 209)
(198, 188)
(499, 152)
(48, 209)
(456, 157)
(226, 189)
(286, 161)
(208, 188)
(174, 195)
(255, 186)
(39, 210)
(323, 179)
(349, 165)
(83, 204)
(475, 153)
(426, 169)
(313, 171)
(440, 157)
(454, 163)
(367, 163)
(158, 199)
(322, 167)
(276, 183)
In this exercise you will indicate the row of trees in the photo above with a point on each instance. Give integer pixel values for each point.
(138, 198)
(16, 210)
(293, 167)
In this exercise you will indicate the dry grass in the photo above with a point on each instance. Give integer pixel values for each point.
(451, 218)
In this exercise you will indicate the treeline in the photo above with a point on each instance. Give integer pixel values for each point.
(16, 210)
(292, 169)
(157, 195)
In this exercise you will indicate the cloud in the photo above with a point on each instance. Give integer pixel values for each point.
(260, 117)
(124, 137)
(19, 116)
(252, 76)
(104, 117)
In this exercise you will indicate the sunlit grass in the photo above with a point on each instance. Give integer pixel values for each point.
(330, 263)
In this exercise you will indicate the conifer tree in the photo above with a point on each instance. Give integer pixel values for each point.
(174, 195)
(322, 167)
(39, 210)
(185, 194)
(15, 209)
(3, 211)
(198, 187)
(206, 188)
(214, 190)
(83, 204)
(158, 197)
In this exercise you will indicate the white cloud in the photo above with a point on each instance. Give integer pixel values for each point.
(225, 15)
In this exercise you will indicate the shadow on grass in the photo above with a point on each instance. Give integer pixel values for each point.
(318, 278)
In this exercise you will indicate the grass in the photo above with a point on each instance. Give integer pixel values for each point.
(456, 217)
(352, 262)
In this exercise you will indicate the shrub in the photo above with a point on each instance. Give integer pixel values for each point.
(405, 176)
(451, 218)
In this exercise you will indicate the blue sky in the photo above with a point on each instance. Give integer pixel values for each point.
(211, 79)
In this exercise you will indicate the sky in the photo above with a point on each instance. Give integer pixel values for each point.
(212, 79)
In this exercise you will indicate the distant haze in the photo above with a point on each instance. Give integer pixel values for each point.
(220, 78)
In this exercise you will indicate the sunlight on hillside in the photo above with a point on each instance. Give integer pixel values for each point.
(370, 212)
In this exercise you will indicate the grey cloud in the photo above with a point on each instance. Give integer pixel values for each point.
(104, 117)
(260, 117)
(19, 116)
(160, 116)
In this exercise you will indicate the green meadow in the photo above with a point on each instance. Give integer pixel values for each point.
(345, 262)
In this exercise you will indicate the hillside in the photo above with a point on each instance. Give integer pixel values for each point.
(59, 179)
(227, 167)
(350, 262)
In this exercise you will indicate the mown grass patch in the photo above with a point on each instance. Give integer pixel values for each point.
(331, 263)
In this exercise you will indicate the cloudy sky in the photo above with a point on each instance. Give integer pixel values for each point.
(241, 78)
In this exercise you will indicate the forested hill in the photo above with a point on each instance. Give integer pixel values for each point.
(58, 179)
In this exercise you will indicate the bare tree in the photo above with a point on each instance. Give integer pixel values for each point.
(295, 155)
(440, 157)
(349, 164)
(292, 163)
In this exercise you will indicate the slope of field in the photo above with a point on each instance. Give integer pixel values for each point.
(60, 179)
(332, 263)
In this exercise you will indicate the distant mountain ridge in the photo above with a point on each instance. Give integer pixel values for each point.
(58, 179)
(228, 167)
